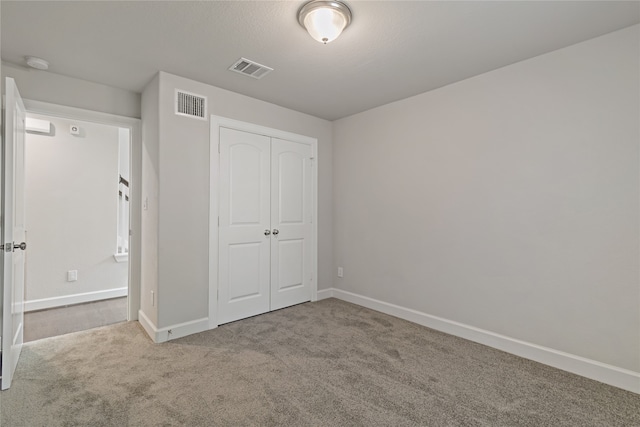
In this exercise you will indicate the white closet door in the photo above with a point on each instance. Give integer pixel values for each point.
(291, 216)
(244, 245)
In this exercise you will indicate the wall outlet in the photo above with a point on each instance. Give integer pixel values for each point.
(340, 272)
(72, 275)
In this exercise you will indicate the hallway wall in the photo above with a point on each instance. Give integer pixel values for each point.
(71, 207)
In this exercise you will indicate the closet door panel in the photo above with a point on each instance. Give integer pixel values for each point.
(291, 222)
(244, 244)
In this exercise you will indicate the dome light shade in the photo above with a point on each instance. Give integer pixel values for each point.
(324, 20)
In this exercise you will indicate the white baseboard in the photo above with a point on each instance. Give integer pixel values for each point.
(324, 294)
(160, 335)
(42, 304)
(608, 374)
(148, 326)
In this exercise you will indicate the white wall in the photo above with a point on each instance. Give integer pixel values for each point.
(1, 170)
(63, 90)
(71, 211)
(149, 195)
(183, 198)
(124, 149)
(508, 202)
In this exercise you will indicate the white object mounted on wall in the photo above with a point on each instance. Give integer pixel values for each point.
(191, 105)
(37, 125)
(74, 129)
(37, 63)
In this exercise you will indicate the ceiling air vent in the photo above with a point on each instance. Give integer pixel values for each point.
(250, 68)
(191, 105)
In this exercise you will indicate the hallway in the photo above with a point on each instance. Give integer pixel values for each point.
(73, 318)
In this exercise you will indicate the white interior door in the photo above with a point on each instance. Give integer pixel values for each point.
(244, 229)
(291, 216)
(13, 233)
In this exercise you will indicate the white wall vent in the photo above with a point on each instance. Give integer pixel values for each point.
(191, 105)
(250, 68)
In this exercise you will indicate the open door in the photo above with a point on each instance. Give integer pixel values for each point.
(13, 232)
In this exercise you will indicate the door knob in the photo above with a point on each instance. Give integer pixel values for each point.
(267, 232)
(276, 231)
(22, 246)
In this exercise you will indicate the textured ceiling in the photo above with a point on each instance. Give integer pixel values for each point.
(392, 50)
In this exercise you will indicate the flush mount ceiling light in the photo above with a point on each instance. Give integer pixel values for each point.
(324, 20)
(37, 63)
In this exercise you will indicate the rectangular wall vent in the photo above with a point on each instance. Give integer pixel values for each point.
(250, 68)
(191, 105)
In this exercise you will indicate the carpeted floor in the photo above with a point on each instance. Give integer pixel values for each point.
(73, 318)
(328, 363)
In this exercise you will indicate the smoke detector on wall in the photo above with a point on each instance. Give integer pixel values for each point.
(37, 63)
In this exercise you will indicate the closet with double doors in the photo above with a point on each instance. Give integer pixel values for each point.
(266, 239)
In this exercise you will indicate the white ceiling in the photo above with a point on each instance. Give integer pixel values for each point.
(392, 50)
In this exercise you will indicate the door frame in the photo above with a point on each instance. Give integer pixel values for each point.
(135, 192)
(216, 123)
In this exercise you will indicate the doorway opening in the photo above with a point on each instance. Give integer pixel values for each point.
(77, 206)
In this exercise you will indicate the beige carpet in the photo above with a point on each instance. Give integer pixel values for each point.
(317, 364)
(73, 318)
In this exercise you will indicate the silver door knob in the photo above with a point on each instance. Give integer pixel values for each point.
(22, 246)
(267, 232)
(276, 231)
